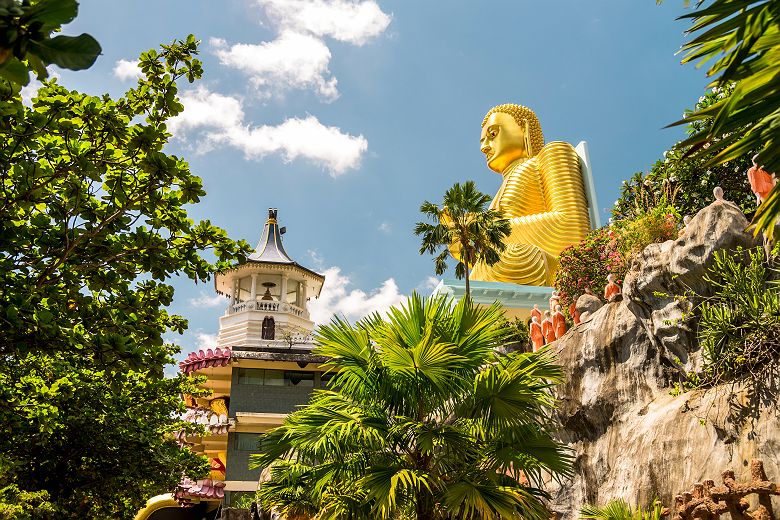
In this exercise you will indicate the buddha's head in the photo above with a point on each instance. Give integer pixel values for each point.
(510, 133)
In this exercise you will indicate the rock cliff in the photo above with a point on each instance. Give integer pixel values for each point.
(630, 437)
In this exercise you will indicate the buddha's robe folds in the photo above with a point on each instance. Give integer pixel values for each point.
(544, 199)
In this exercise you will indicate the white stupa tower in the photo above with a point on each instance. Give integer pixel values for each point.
(268, 296)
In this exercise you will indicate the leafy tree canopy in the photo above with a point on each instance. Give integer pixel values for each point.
(685, 182)
(26, 42)
(93, 222)
(423, 419)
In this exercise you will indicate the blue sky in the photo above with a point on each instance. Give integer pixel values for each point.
(347, 114)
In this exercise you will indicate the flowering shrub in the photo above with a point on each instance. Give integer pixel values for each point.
(657, 225)
(608, 250)
(588, 263)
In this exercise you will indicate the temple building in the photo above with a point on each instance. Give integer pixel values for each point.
(259, 371)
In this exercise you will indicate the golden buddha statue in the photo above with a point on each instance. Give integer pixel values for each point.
(542, 195)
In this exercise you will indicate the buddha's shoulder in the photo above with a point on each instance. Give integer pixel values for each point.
(557, 147)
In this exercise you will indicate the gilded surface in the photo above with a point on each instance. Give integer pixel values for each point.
(542, 194)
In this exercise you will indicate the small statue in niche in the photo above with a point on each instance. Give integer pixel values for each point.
(684, 228)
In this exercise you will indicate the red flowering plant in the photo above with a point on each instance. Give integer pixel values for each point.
(587, 264)
(608, 250)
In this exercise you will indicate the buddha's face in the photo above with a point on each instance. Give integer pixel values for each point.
(503, 141)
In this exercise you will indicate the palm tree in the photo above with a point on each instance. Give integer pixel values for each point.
(423, 419)
(619, 509)
(463, 227)
(739, 38)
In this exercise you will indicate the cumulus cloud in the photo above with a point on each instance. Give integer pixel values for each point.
(292, 61)
(204, 340)
(426, 287)
(206, 301)
(219, 119)
(299, 59)
(343, 20)
(206, 109)
(385, 227)
(127, 69)
(339, 298)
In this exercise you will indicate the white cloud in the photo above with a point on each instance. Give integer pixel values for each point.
(205, 340)
(338, 298)
(220, 120)
(318, 261)
(206, 109)
(127, 69)
(343, 20)
(385, 227)
(292, 61)
(426, 287)
(206, 301)
(29, 91)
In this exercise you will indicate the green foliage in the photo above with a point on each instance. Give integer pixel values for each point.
(465, 228)
(659, 224)
(423, 419)
(739, 326)
(587, 264)
(609, 249)
(16, 504)
(244, 502)
(518, 335)
(26, 43)
(686, 182)
(97, 443)
(739, 40)
(93, 222)
(619, 509)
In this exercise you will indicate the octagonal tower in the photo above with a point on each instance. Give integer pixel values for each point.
(268, 295)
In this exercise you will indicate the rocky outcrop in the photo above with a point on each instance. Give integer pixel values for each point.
(630, 437)
(587, 304)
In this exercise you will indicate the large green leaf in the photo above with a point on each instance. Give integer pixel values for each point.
(52, 13)
(69, 52)
(15, 71)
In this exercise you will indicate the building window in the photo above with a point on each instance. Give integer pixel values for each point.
(300, 378)
(250, 376)
(268, 377)
(269, 329)
(274, 378)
